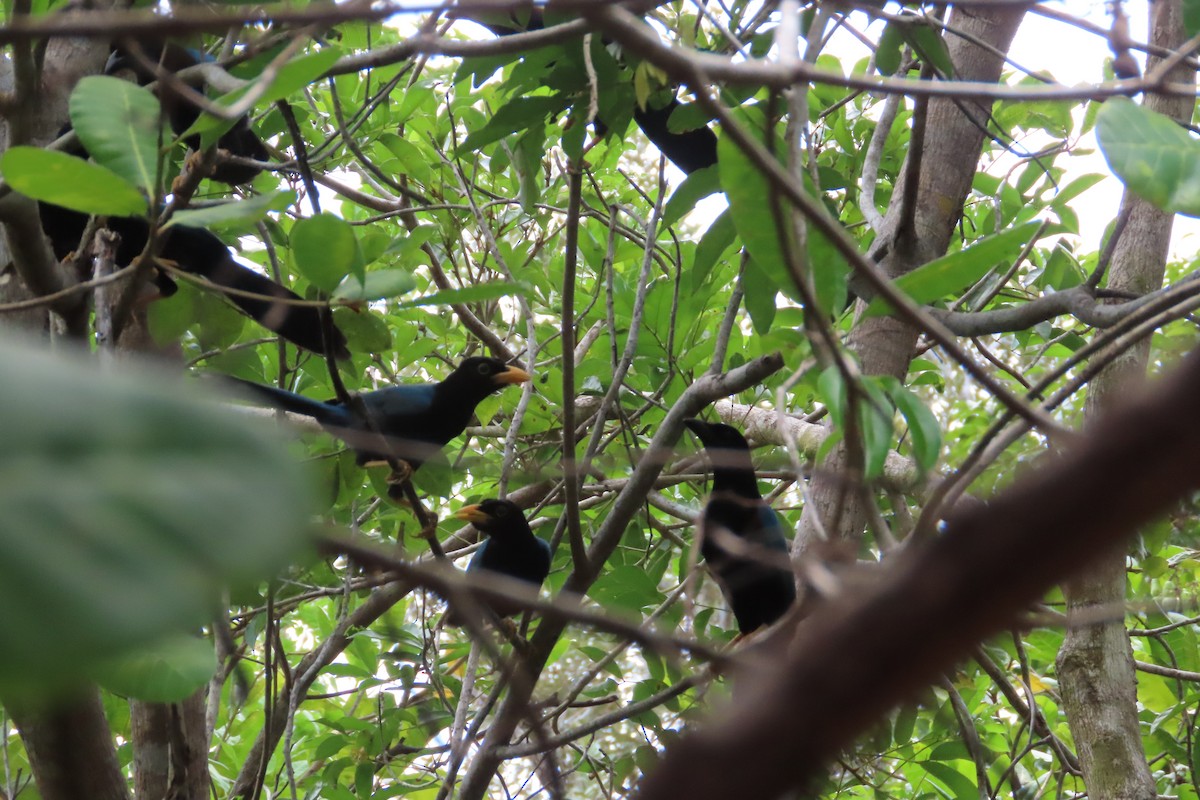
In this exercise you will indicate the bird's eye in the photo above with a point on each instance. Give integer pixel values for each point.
(501, 511)
(485, 368)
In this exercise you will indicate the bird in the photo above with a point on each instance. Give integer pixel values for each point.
(414, 420)
(690, 150)
(200, 252)
(196, 250)
(132, 57)
(758, 589)
(511, 549)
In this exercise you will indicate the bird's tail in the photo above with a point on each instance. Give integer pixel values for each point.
(199, 252)
(300, 325)
(324, 413)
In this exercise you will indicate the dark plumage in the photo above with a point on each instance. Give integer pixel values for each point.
(758, 591)
(417, 420)
(511, 549)
(689, 150)
(200, 252)
(195, 250)
(240, 140)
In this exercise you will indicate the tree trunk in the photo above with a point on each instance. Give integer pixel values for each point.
(1095, 664)
(70, 748)
(910, 237)
(170, 753)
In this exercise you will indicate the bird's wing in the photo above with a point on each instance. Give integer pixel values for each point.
(401, 401)
(768, 532)
(477, 561)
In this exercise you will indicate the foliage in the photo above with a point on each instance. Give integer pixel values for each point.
(443, 211)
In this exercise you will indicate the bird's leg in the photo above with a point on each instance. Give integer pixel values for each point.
(508, 631)
(427, 521)
(401, 472)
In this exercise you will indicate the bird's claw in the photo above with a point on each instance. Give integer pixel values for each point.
(400, 474)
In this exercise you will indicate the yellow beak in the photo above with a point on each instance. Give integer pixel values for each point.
(512, 375)
(471, 514)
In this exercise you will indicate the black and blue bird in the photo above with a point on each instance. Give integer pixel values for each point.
(750, 568)
(690, 150)
(137, 57)
(415, 421)
(196, 250)
(200, 252)
(511, 549)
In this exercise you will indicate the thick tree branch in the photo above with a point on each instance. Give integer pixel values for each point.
(826, 681)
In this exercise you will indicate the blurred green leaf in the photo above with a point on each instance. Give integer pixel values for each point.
(128, 502)
(955, 272)
(467, 294)
(516, 115)
(249, 210)
(167, 671)
(376, 285)
(1154, 156)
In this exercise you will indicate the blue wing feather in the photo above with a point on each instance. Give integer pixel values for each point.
(396, 401)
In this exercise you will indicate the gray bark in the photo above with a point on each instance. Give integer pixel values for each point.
(1095, 665)
(953, 141)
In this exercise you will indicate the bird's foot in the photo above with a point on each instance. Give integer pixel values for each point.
(507, 628)
(400, 474)
(397, 481)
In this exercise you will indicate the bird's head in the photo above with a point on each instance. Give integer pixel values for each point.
(488, 374)
(717, 435)
(494, 517)
(729, 453)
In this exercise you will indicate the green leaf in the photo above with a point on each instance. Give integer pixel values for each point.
(721, 234)
(416, 164)
(516, 115)
(876, 427)
(922, 426)
(244, 211)
(759, 296)
(165, 672)
(128, 502)
(749, 194)
(957, 784)
(928, 43)
(888, 51)
(574, 132)
(1191, 17)
(1153, 156)
(365, 332)
(325, 250)
(118, 122)
(530, 153)
(951, 273)
(70, 182)
(695, 187)
(749, 202)
(467, 294)
(375, 285)
(625, 587)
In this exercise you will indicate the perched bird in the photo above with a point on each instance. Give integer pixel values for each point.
(195, 250)
(758, 590)
(689, 150)
(200, 252)
(135, 58)
(415, 420)
(511, 549)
